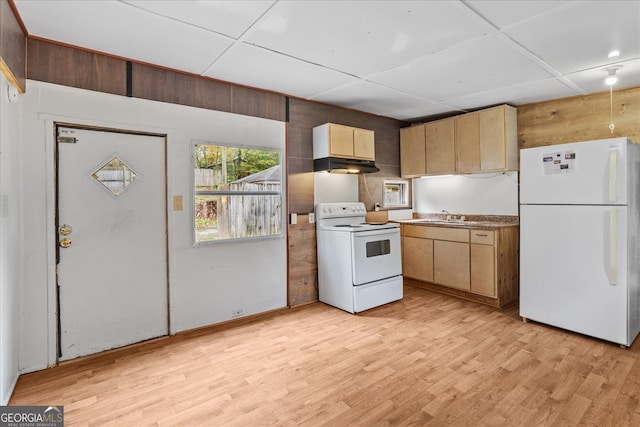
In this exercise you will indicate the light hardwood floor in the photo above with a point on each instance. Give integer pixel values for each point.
(428, 360)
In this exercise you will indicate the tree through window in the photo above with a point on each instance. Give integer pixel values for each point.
(238, 192)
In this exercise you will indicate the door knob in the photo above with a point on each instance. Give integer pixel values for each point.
(65, 243)
(65, 230)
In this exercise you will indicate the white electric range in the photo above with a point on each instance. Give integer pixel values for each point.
(359, 263)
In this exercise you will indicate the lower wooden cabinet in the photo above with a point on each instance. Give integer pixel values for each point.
(483, 265)
(483, 262)
(451, 264)
(417, 254)
(478, 264)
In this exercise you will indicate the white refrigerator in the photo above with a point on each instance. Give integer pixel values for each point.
(579, 232)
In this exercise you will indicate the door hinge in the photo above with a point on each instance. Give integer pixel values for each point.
(66, 136)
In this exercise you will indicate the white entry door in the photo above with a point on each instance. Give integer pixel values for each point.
(112, 237)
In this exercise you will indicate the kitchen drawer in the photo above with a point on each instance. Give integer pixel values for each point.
(450, 234)
(418, 231)
(483, 237)
(436, 233)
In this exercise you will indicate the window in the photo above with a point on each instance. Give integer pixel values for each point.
(115, 175)
(396, 194)
(238, 192)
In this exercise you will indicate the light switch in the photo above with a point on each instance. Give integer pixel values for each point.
(177, 203)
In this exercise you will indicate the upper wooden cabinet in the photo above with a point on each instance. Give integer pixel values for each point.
(467, 143)
(440, 147)
(332, 140)
(364, 144)
(487, 140)
(413, 161)
(428, 149)
(478, 142)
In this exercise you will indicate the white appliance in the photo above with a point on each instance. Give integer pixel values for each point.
(579, 225)
(359, 264)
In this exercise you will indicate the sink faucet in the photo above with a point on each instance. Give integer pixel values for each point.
(448, 214)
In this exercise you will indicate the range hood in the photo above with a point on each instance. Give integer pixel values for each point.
(341, 165)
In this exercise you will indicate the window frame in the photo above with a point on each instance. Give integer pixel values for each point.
(404, 188)
(194, 193)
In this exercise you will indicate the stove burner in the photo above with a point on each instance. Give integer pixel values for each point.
(348, 225)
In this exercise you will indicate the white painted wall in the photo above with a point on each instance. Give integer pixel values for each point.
(398, 214)
(206, 282)
(10, 245)
(480, 194)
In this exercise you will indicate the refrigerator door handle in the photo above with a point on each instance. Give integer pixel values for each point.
(613, 268)
(613, 167)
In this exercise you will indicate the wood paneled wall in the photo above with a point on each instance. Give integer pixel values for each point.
(53, 63)
(303, 117)
(69, 66)
(13, 47)
(580, 118)
(303, 265)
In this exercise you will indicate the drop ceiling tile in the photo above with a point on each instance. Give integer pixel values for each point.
(477, 66)
(270, 70)
(581, 35)
(231, 18)
(503, 13)
(119, 29)
(526, 93)
(363, 37)
(370, 97)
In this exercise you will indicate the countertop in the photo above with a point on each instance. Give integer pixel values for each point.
(485, 222)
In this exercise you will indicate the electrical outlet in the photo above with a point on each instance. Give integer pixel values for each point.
(312, 218)
(237, 312)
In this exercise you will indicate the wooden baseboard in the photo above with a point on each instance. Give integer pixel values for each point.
(226, 324)
(493, 302)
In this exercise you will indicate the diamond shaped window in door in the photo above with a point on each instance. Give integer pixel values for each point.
(115, 175)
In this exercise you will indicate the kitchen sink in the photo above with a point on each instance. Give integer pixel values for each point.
(443, 221)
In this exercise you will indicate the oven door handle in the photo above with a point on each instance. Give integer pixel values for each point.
(391, 231)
